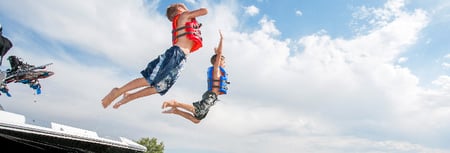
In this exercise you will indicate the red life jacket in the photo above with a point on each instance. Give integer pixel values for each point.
(191, 31)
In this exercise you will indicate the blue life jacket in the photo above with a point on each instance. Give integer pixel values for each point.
(222, 79)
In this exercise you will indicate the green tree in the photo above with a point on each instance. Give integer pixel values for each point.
(152, 145)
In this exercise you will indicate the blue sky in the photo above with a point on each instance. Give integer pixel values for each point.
(315, 76)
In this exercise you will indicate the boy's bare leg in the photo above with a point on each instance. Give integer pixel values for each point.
(134, 84)
(116, 92)
(127, 97)
(186, 115)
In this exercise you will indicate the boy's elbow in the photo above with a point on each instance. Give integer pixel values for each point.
(204, 10)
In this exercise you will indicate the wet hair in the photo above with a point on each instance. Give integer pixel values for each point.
(172, 10)
(213, 58)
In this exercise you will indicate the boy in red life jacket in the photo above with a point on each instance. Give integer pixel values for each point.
(161, 73)
(217, 85)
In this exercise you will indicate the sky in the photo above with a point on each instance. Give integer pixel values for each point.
(306, 76)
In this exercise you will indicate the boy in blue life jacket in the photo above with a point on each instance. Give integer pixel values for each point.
(217, 85)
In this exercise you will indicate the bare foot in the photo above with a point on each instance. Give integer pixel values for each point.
(124, 100)
(117, 105)
(113, 94)
(170, 111)
(166, 104)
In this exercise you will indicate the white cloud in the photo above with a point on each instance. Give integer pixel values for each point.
(191, 1)
(368, 19)
(298, 13)
(268, 27)
(447, 56)
(443, 82)
(446, 65)
(115, 21)
(402, 59)
(251, 10)
(428, 41)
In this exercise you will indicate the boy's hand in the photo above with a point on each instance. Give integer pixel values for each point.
(219, 48)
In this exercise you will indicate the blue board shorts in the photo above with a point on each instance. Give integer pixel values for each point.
(163, 71)
(201, 108)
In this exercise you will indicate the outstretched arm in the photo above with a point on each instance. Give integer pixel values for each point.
(219, 47)
(218, 51)
(197, 13)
